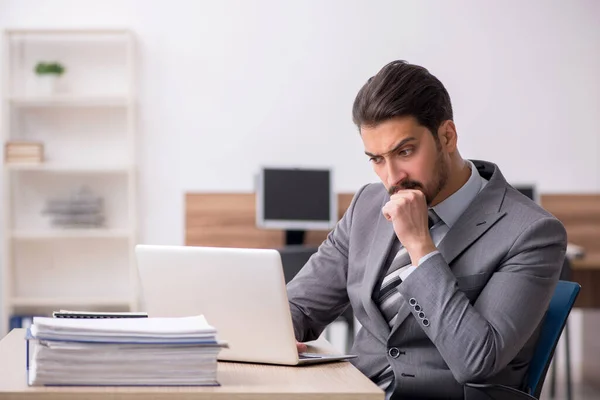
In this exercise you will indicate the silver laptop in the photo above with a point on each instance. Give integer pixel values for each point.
(241, 292)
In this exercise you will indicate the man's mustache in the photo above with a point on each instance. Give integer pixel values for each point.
(406, 185)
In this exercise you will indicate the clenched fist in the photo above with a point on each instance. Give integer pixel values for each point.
(407, 210)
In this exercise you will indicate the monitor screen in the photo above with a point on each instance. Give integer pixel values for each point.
(527, 190)
(294, 198)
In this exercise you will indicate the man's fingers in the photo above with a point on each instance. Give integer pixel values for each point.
(406, 194)
(301, 347)
(389, 211)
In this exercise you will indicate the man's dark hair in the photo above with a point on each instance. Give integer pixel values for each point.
(401, 89)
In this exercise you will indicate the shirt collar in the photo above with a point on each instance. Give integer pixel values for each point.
(452, 208)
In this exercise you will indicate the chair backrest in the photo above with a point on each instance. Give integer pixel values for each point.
(293, 258)
(554, 322)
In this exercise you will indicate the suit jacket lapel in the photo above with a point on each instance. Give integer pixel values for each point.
(380, 248)
(466, 231)
(481, 215)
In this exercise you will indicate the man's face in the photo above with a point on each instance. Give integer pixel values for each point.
(405, 155)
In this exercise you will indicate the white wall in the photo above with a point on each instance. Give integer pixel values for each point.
(227, 85)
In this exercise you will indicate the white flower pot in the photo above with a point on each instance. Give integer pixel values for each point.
(47, 84)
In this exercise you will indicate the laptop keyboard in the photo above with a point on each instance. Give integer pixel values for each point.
(304, 356)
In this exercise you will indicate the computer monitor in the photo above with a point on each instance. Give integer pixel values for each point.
(295, 200)
(529, 191)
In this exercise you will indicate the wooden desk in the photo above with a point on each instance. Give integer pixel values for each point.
(238, 381)
(580, 214)
(587, 272)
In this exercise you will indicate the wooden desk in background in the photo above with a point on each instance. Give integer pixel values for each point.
(238, 381)
(580, 214)
(587, 272)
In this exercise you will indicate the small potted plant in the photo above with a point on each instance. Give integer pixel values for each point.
(48, 75)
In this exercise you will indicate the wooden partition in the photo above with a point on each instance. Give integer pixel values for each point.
(580, 215)
(228, 220)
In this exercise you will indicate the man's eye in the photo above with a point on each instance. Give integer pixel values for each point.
(375, 160)
(405, 152)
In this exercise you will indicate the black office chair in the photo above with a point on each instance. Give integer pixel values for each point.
(293, 259)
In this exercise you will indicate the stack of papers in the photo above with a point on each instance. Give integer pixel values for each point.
(122, 351)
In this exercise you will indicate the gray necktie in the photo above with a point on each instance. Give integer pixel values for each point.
(388, 299)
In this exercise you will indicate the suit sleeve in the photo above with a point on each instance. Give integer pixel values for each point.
(477, 341)
(317, 294)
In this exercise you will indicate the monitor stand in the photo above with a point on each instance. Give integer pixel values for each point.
(294, 238)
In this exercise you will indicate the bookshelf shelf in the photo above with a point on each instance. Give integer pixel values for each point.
(45, 32)
(66, 301)
(70, 169)
(70, 234)
(70, 160)
(69, 101)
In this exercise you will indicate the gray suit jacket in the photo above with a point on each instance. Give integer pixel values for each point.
(483, 297)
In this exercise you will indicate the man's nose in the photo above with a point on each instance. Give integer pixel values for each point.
(395, 175)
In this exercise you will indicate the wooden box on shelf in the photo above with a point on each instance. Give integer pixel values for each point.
(22, 152)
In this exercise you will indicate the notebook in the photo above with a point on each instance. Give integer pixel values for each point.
(124, 330)
(91, 314)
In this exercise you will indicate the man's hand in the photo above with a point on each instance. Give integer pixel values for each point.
(301, 347)
(407, 210)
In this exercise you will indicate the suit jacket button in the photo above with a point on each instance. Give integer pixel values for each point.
(394, 352)
(412, 301)
(417, 308)
(421, 315)
(426, 322)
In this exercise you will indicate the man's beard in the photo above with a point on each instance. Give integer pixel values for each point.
(440, 174)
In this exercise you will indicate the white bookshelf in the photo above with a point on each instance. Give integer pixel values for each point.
(88, 130)
(52, 234)
(62, 302)
(71, 168)
(68, 101)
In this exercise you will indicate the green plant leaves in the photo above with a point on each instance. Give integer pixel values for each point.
(43, 68)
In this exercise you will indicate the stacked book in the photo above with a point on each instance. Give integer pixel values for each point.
(23, 152)
(122, 351)
(82, 209)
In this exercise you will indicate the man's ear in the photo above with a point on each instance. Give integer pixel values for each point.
(447, 135)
